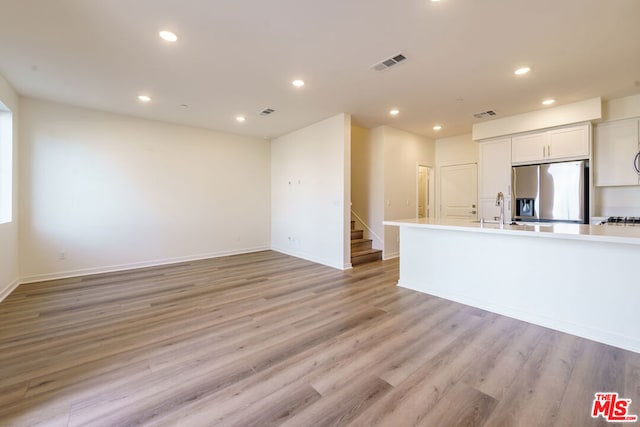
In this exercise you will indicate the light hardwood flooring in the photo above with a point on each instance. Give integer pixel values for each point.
(266, 339)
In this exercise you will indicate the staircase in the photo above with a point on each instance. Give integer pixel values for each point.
(361, 250)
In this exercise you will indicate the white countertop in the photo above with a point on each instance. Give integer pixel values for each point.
(627, 234)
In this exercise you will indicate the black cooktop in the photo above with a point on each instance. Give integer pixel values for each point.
(623, 220)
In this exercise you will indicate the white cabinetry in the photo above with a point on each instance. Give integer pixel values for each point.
(494, 176)
(616, 146)
(566, 143)
(529, 148)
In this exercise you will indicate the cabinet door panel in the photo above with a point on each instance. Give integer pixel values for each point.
(570, 142)
(616, 145)
(529, 148)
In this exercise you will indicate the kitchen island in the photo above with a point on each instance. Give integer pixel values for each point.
(580, 279)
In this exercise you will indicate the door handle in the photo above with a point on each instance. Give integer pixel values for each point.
(472, 212)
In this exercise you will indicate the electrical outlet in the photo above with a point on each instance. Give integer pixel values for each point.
(62, 255)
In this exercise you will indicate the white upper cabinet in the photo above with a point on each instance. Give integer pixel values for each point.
(566, 143)
(571, 142)
(616, 146)
(494, 176)
(529, 148)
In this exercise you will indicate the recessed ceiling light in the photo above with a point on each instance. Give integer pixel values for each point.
(437, 127)
(548, 101)
(394, 112)
(144, 98)
(521, 71)
(298, 83)
(240, 119)
(168, 36)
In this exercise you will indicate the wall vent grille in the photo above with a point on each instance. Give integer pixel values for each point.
(389, 62)
(267, 111)
(485, 114)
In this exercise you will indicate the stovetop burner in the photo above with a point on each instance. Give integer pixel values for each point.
(627, 220)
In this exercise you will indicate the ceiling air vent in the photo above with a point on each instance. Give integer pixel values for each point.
(267, 111)
(484, 114)
(389, 62)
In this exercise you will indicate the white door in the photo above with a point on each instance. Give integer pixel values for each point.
(459, 191)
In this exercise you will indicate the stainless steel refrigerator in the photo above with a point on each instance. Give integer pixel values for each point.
(551, 192)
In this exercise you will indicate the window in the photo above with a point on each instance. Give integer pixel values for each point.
(6, 164)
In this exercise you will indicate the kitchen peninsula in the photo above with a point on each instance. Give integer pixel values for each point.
(579, 279)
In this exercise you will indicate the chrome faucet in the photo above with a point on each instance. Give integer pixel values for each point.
(500, 202)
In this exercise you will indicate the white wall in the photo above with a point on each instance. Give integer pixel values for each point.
(455, 150)
(367, 184)
(113, 192)
(618, 201)
(9, 231)
(376, 209)
(385, 180)
(403, 152)
(310, 192)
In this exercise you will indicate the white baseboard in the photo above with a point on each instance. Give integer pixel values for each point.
(8, 289)
(608, 337)
(311, 258)
(392, 255)
(134, 265)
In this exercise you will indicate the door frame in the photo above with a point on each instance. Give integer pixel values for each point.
(431, 180)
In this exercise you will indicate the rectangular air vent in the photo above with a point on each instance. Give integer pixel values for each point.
(267, 111)
(484, 114)
(389, 62)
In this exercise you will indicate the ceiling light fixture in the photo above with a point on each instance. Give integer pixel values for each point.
(168, 36)
(240, 119)
(144, 98)
(298, 83)
(548, 101)
(521, 71)
(437, 127)
(394, 112)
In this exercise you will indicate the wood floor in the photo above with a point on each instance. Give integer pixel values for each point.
(266, 339)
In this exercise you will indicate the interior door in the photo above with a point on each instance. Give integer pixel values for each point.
(459, 191)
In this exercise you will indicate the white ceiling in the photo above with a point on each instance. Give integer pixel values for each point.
(238, 57)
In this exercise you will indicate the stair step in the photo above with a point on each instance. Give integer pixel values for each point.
(369, 255)
(360, 244)
(356, 234)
